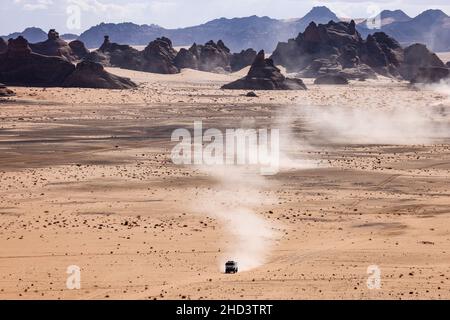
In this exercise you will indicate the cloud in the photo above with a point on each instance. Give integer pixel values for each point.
(31, 5)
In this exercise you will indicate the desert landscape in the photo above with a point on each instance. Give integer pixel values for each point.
(89, 183)
(87, 180)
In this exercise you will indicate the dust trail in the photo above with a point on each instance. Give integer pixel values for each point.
(234, 201)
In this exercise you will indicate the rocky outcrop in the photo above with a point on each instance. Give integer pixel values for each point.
(448, 64)
(160, 57)
(417, 58)
(19, 66)
(431, 75)
(337, 47)
(5, 92)
(79, 50)
(213, 57)
(242, 59)
(331, 79)
(186, 59)
(3, 45)
(157, 57)
(54, 46)
(88, 74)
(263, 75)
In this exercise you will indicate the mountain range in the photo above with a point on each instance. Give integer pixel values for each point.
(431, 27)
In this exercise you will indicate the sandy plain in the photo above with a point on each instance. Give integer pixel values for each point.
(87, 180)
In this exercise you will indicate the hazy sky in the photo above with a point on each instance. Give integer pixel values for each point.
(77, 15)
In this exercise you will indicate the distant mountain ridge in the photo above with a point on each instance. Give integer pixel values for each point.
(431, 27)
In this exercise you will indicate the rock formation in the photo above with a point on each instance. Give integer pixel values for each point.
(337, 48)
(243, 59)
(416, 58)
(3, 45)
(54, 46)
(160, 56)
(431, 75)
(331, 79)
(213, 57)
(448, 64)
(79, 50)
(157, 57)
(90, 74)
(20, 66)
(186, 59)
(263, 75)
(5, 92)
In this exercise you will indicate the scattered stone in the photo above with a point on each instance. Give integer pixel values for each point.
(251, 94)
(5, 92)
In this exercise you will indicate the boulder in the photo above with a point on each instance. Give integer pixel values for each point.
(417, 58)
(5, 92)
(335, 79)
(54, 46)
(263, 75)
(243, 59)
(160, 57)
(3, 45)
(89, 74)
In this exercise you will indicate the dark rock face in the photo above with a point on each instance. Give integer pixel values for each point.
(160, 56)
(263, 75)
(54, 46)
(417, 57)
(3, 45)
(337, 47)
(213, 57)
(242, 59)
(431, 75)
(448, 64)
(331, 79)
(89, 74)
(78, 49)
(19, 66)
(186, 59)
(5, 92)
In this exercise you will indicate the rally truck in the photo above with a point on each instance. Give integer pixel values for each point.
(231, 267)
